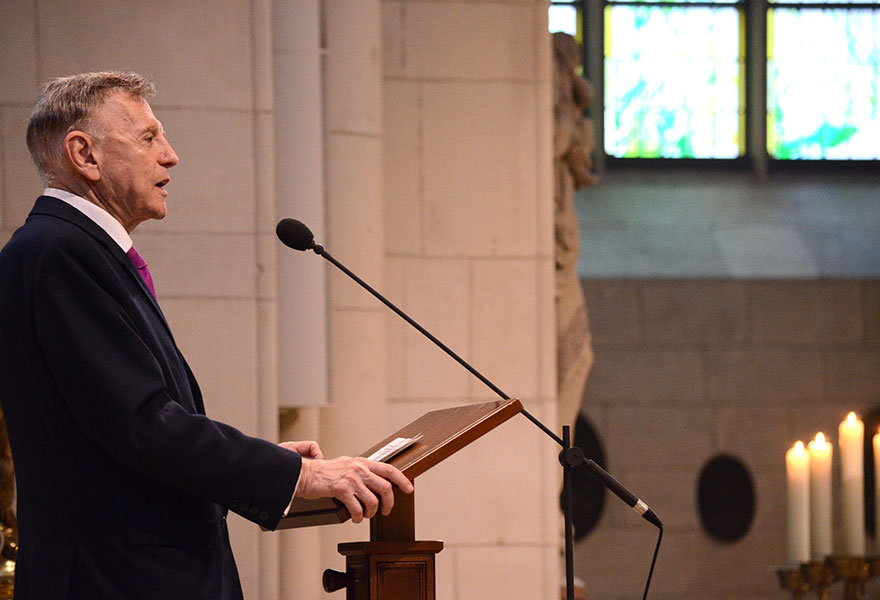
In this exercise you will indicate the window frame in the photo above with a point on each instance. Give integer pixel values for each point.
(756, 157)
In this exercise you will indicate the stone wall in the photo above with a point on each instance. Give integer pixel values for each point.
(687, 369)
(469, 253)
(204, 255)
(425, 152)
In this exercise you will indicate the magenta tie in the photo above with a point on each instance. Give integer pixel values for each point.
(141, 265)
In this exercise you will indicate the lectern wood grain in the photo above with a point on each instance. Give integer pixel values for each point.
(390, 570)
(393, 565)
(443, 433)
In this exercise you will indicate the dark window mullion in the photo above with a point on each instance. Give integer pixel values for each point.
(756, 84)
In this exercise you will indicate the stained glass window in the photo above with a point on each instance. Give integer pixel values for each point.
(565, 18)
(822, 83)
(674, 81)
(674, 77)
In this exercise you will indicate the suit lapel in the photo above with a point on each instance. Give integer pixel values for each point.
(47, 205)
(181, 378)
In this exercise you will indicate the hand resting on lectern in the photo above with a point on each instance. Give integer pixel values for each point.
(363, 486)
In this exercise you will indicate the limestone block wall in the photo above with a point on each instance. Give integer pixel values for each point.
(205, 256)
(468, 239)
(686, 369)
(433, 183)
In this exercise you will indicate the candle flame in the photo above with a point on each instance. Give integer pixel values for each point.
(851, 419)
(820, 439)
(799, 447)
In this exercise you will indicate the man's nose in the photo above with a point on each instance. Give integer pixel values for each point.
(168, 158)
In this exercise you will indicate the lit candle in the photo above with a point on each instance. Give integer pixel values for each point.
(797, 471)
(876, 440)
(820, 498)
(852, 485)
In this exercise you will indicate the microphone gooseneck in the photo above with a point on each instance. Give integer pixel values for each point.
(295, 234)
(298, 236)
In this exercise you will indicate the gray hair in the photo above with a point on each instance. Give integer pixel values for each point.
(66, 103)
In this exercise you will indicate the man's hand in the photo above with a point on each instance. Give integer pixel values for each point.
(361, 485)
(307, 449)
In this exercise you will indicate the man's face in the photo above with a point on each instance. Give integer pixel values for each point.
(133, 159)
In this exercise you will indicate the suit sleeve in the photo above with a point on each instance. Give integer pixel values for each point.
(118, 396)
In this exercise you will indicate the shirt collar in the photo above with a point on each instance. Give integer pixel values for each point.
(101, 217)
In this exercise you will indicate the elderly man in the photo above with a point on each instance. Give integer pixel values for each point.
(123, 482)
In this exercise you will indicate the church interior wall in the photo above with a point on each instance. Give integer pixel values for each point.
(483, 241)
(689, 369)
(446, 121)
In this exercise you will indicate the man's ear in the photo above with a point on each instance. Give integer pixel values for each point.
(79, 149)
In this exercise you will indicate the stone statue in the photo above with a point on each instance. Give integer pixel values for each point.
(572, 145)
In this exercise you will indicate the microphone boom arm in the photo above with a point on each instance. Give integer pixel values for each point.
(296, 235)
(569, 457)
(318, 249)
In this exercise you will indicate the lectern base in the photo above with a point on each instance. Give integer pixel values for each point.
(390, 570)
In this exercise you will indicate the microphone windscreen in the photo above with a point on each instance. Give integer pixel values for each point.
(295, 234)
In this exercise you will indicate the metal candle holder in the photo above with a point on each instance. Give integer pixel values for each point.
(854, 571)
(794, 580)
(820, 575)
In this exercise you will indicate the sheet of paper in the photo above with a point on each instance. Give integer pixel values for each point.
(393, 448)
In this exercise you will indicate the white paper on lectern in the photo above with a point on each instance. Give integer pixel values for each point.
(393, 448)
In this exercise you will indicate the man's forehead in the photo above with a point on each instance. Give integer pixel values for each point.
(122, 108)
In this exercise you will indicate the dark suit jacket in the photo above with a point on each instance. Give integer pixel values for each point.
(123, 484)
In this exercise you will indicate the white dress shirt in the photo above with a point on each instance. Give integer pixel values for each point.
(101, 217)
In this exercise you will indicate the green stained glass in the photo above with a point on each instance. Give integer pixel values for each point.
(771, 2)
(718, 2)
(674, 82)
(822, 84)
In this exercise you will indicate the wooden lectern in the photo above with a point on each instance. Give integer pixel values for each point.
(393, 565)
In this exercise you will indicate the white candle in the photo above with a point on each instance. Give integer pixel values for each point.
(852, 485)
(797, 471)
(876, 440)
(820, 498)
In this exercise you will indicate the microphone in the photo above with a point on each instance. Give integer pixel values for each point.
(574, 457)
(295, 234)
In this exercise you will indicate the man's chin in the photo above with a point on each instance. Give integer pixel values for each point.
(157, 214)
(160, 211)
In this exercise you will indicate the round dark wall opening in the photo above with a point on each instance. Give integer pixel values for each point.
(726, 498)
(587, 492)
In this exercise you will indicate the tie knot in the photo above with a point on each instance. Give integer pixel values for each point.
(136, 259)
(140, 266)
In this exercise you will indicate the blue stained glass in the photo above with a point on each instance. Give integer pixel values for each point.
(822, 96)
(673, 78)
(822, 2)
(718, 2)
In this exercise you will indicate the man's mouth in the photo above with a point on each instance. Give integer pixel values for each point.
(162, 184)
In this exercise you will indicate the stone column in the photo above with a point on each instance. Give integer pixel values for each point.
(266, 253)
(294, 348)
(299, 178)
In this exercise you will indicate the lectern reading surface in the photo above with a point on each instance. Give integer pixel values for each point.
(393, 565)
(439, 433)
